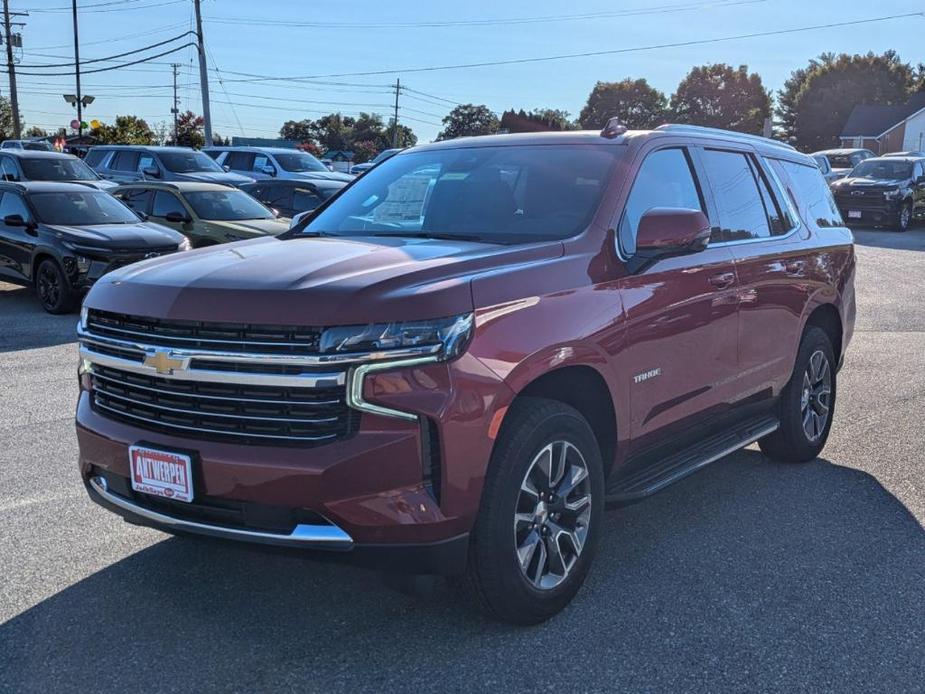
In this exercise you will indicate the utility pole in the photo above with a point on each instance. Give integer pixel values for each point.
(395, 117)
(203, 76)
(176, 104)
(80, 115)
(11, 70)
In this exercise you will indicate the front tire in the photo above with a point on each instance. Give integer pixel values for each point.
(54, 289)
(541, 513)
(904, 220)
(807, 403)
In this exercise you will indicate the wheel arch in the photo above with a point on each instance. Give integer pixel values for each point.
(827, 318)
(583, 387)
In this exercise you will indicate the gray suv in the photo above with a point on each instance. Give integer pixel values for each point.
(20, 165)
(274, 162)
(130, 163)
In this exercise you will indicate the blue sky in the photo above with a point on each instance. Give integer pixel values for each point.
(349, 36)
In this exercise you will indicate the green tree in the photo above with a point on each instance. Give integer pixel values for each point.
(720, 96)
(190, 130)
(126, 130)
(298, 130)
(405, 136)
(6, 119)
(635, 102)
(334, 131)
(467, 120)
(816, 101)
(35, 131)
(537, 120)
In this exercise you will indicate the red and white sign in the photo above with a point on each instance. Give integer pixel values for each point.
(161, 473)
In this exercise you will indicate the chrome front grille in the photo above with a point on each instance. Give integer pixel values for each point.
(229, 337)
(242, 413)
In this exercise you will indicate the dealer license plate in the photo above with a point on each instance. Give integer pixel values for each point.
(161, 473)
(854, 214)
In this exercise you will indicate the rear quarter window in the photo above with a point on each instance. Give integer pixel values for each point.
(95, 157)
(810, 193)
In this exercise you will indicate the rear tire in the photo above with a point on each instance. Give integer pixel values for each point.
(54, 289)
(540, 515)
(807, 403)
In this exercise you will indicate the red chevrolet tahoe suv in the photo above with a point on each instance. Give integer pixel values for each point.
(452, 366)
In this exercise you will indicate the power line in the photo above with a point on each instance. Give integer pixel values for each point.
(114, 67)
(124, 37)
(110, 58)
(107, 6)
(664, 9)
(589, 54)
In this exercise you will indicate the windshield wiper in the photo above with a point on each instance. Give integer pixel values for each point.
(435, 235)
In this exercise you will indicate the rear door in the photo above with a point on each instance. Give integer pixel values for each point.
(762, 232)
(123, 166)
(681, 323)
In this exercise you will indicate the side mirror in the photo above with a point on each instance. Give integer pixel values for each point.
(176, 217)
(275, 212)
(268, 170)
(666, 232)
(14, 220)
(226, 168)
(151, 171)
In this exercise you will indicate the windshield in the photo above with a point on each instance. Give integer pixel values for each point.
(63, 169)
(299, 162)
(226, 206)
(501, 194)
(845, 161)
(80, 209)
(188, 162)
(883, 169)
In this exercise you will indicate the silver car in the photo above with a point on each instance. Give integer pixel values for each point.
(273, 162)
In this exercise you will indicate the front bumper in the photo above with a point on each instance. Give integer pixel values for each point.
(447, 557)
(876, 213)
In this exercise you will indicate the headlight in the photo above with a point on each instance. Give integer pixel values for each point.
(449, 334)
(893, 194)
(185, 245)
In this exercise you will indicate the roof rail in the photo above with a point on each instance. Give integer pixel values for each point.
(695, 129)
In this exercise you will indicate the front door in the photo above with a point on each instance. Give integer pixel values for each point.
(16, 243)
(680, 355)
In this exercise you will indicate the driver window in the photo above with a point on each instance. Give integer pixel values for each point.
(11, 203)
(260, 161)
(665, 179)
(165, 203)
(146, 161)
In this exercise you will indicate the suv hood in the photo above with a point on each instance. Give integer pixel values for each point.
(320, 176)
(215, 177)
(871, 183)
(141, 236)
(311, 281)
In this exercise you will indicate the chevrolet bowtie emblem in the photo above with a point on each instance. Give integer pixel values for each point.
(163, 363)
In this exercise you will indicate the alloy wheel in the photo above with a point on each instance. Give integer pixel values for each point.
(905, 217)
(816, 397)
(552, 514)
(49, 286)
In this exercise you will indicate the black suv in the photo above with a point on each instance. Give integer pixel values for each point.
(62, 237)
(883, 191)
(30, 165)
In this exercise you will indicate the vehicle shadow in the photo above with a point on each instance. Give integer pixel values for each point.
(24, 325)
(748, 576)
(911, 240)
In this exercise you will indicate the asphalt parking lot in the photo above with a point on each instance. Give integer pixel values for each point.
(749, 576)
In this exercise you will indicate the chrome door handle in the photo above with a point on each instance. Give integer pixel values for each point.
(723, 280)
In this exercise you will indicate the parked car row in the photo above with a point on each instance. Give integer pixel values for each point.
(884, 191)
(64, 222)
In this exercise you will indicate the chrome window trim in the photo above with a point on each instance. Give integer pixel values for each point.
(358, 376)
(260, 358)
(303, 535)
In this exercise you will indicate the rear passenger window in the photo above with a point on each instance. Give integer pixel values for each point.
(739, 201)
(125, 161)
(239, 161)
(665, 179)
(95, 157)
(811, 194)
(136, 198)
